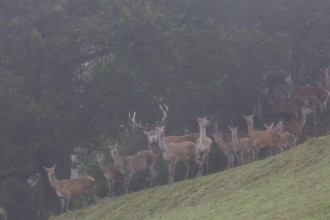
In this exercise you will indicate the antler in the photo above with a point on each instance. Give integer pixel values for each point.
(164, 109)
(134, 123)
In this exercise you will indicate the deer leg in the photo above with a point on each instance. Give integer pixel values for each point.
(207, 162)
(62, 204)
(67, 203)
(170, 171)
(186, 163)
(126, 184)
(152, 176)
(110, 185)
(229, 161)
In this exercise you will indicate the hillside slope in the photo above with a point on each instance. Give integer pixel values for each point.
(291, 185)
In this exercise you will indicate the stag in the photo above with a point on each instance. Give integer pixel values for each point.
(129, 165)
(69, 187)
(111, 172)
(203, 143)
(152, 134)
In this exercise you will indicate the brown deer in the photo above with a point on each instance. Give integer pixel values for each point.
(286, 137)
(203, 143)
(295, 127)
(129, 165)
(226, 147)
(177, 151)
(320, 93)
(269, 117)
(69, 187)
(152, 133)
(265, 139)
(111, 172)
(245, 146)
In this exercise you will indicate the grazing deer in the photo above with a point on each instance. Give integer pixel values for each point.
(69, 187)
(296, 127)
(203, 143)
(245, 147)
(129, 165)
(320, 93)
(111, 172)
(226, 147)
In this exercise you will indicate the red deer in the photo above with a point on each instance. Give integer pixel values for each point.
(244, 145)
(129, 165)
(177, 151)
(111, 172)
(203, 143)
(226, 147)
(269, 117)
(263, 139)
(152, 133)
(69, 187)
(296, 127)
(320, 93)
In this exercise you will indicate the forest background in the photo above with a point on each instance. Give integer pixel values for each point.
(71, 71)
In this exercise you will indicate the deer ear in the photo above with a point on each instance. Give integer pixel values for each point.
(45, 168)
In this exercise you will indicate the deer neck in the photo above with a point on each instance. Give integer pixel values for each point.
(117, 159)
(251, 131)
(222, 143)
(102, 165)
(162, 142)
(235, 140)
(302, 119)
(202, 139)
(53, 182)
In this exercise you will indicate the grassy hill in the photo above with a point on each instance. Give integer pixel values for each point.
(291, 185)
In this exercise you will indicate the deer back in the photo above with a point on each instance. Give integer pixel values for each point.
(75, 186)
(182, 150)
(192, 137)
(112, 171)
(138, 162)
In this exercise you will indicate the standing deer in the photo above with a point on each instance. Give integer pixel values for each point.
(152, 134)
(296, 127)
(203, 143)
(69, 187)
(111, 172)
(226, 147)
(265, 139)
(245, 147)
(137, 163)
(177, 151)
(320, 93)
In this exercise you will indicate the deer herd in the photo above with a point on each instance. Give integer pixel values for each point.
(283, 127)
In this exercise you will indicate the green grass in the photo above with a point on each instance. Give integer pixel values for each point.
(292, 185)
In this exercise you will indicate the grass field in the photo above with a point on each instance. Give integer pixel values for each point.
(291, 185)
